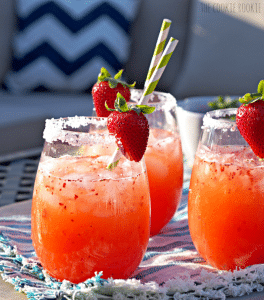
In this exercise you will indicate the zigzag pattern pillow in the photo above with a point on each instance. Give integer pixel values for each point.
(61, 45)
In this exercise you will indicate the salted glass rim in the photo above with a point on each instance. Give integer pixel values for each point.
(167, 100)
(56, 129)
(214, 119)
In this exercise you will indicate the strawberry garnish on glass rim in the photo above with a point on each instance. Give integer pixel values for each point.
(130, 127)
(250, 120)
(106, 89)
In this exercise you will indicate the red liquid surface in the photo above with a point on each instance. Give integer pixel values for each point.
(226, 208)
(164, 162)
(83, 223)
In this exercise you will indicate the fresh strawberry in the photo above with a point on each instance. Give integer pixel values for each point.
(106, 89)
(130, 127)
(250, 120)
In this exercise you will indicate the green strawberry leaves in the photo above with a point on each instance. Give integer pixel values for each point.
(113, 82)
(121, 106)
(145, 109)
(261, 88)
(104, 74)
(120, 103)
(118, 75)
(250, 98)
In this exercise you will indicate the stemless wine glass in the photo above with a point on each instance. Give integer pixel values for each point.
(86, 219)
(226, 197)
(164, 159)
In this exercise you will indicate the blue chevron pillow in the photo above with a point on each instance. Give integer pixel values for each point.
(61, 45)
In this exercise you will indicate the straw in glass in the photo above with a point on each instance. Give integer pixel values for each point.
(165, 27)
(149, 90)
(166, 55)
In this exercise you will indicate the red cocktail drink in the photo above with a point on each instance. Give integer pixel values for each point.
(164, 159)
(226, 198)
(86, 219)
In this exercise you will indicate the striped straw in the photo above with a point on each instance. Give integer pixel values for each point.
(114, 159)
(165, 27)
(166, 55)
(149, 90)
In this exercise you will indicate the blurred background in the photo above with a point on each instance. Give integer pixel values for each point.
(52, 51)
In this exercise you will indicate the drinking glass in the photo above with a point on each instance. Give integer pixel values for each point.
(226, 197)
(86, 219)
(164, 159)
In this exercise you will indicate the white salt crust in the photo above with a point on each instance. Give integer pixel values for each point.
(213, 119)
(161, 101)
(55, 129)
(235, 155)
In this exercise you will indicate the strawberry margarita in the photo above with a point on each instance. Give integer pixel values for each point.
(226, 197)
(164, 163)
(164, 159)
(86, 219)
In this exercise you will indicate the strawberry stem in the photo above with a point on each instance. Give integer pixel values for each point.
(119, 74)
(103, 75)
(261, 87)
(252, 97)
(113, 82)
(121, 106)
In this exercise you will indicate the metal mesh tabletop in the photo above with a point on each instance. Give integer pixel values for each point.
(17, 175)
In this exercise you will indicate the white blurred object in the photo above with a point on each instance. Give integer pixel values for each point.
(190, 113)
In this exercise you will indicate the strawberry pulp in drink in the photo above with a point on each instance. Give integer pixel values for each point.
(164, 162)
(226, 206)
(83, 222)
(85, 218)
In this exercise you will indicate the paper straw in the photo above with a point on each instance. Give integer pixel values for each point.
(149, 90)
(165, 27)
(166, 55)
(114, 159)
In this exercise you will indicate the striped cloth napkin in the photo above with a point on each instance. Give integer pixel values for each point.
(171, 269)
